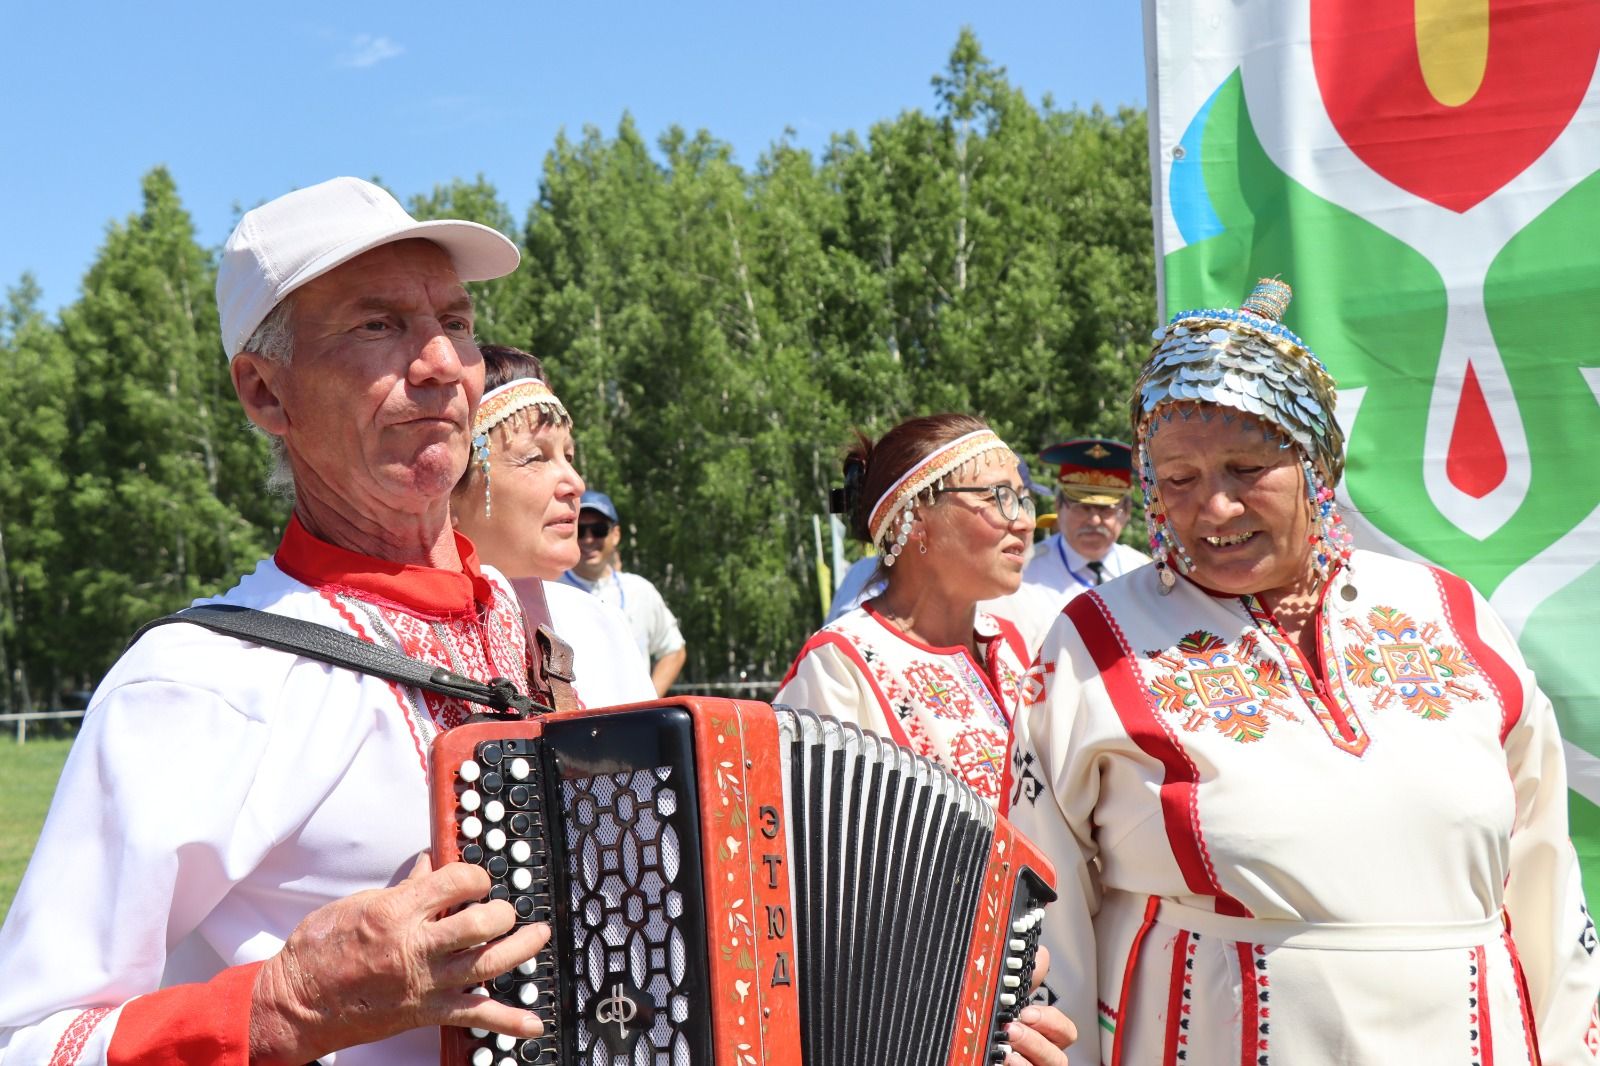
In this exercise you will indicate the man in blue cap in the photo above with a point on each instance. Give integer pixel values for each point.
(1093, 482)
(599, 571)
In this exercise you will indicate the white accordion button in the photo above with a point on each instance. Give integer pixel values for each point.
(520, 851)
(518, 769)
(527, 993)
(469, 771)
(526, 968)
(495, 839)
(483, 1056)
(471, 827)
(504, 1042)
(494, 810)
(521, 879)
(470, 800)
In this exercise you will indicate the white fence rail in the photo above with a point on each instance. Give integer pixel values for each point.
(23, 719)
(754, 687)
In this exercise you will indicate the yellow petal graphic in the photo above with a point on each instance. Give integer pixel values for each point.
(1453, 47)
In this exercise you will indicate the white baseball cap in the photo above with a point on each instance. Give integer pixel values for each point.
(300, 236)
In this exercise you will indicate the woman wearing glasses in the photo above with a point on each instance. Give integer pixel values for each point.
(943, 502)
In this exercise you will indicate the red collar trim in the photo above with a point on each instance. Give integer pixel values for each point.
(425, 591)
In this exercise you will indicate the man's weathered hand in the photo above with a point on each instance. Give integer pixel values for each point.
(379, 963)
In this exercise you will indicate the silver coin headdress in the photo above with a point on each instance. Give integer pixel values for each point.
(1250, 361)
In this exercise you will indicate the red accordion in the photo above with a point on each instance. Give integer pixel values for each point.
(738, 884)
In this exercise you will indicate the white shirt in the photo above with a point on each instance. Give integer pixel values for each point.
(1057, 565)
(608, 668)
(218, 792)
(857, 586)
(655, 630)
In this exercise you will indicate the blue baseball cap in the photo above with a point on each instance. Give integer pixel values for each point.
(599, 501)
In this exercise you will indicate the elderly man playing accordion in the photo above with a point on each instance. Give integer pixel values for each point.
(230, 869)
(1308, 804)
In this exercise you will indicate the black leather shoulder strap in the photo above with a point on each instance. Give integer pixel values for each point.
(329, 645)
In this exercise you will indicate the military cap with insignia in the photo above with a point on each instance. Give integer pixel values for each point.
(1092, 470)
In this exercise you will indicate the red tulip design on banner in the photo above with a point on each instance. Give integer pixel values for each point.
(1451, 99)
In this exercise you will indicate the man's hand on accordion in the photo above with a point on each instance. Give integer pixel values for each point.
(379, 963)
(1041, 1035)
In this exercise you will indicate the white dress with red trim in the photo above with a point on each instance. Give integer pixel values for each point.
(1267, 861)
(219, 792)
(938, 702)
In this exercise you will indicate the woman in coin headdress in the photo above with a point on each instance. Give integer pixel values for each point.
(518, 504)
(1306, 804)
(942, 499)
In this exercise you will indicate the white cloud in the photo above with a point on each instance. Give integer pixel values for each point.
(367, 50)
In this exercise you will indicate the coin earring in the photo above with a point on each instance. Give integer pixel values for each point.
(480, 455)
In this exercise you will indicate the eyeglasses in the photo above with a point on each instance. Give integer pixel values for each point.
(597, 530)
(1106, 511)
(1005, 497)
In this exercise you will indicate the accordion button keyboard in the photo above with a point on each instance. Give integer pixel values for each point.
(501, 828)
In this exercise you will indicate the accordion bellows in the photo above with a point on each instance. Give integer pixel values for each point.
(735, 884)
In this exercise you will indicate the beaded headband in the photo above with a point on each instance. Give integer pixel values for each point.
(1249, 361)
(921, 477)
(500, 403)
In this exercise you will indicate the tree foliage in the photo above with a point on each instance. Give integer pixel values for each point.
(716, 331)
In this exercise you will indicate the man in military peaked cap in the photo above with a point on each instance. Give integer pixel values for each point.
(1093, 482)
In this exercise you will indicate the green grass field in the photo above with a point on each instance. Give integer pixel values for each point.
(28, 774)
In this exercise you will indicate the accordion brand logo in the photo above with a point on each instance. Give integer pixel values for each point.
(620, 1016)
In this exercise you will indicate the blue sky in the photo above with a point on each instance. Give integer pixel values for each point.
(244, 102)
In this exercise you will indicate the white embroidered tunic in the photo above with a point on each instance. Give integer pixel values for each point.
(938, 702)
(220, 791)
(1362, 860)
